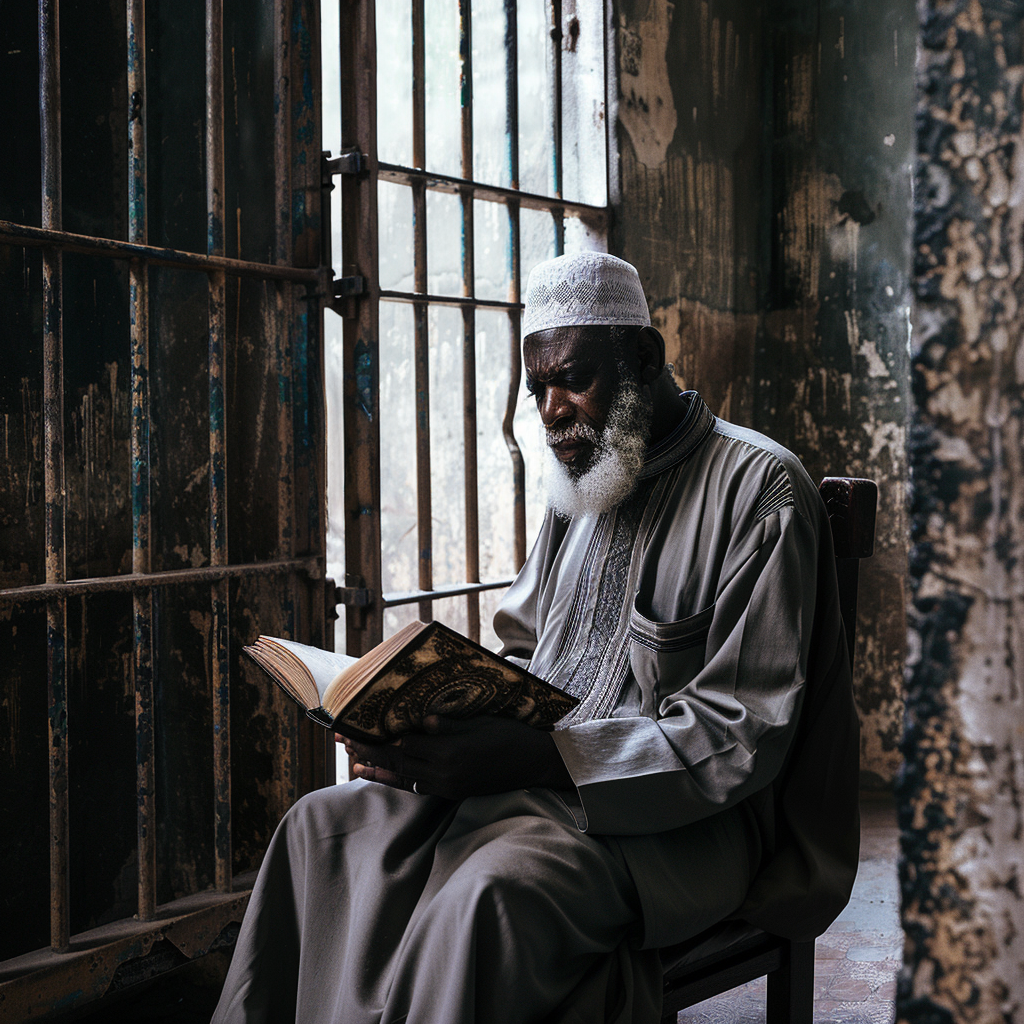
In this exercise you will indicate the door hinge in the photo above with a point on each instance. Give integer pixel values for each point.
(353, 597)
(356, 598)
(351, 161)
(349, 287)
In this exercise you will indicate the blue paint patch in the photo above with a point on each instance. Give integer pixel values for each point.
(216, 411)
(364, 370)
(68, 999)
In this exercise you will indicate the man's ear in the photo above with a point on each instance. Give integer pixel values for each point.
(650, 348)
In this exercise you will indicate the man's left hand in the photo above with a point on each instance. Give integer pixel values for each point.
(455, 758)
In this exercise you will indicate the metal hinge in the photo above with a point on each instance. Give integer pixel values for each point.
(356, 598)
(353, 597)
(343, 292)
(349, 287)
(351, 161)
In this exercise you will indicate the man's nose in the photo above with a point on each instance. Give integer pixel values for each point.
(555, 407)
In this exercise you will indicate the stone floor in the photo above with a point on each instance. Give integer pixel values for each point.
(857, 959)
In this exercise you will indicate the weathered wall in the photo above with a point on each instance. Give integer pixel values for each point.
(962, 790)
(766, 155)
(692, 151)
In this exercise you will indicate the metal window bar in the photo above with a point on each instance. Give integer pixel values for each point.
(515, 360)
(357, 43)
(142, 600)
(219, 672)
(141, 583)
(287, 336)
(359, 198)
(53, 455)
(424, 509)
(469, 448)
(556, 120)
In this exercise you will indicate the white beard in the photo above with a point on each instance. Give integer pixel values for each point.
(619, 451)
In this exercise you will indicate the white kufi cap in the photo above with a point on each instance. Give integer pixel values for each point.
(587, 288)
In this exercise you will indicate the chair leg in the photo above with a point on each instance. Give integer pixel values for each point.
(791, 987)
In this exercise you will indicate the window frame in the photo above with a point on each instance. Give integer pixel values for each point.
(359, 296)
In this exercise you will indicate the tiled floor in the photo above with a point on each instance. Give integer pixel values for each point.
(857, 959)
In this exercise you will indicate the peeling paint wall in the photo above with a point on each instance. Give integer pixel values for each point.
(962, 790)
(766, 166)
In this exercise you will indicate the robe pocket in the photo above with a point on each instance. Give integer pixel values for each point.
(665, 656)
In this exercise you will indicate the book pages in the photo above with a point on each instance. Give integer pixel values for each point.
(322, 666)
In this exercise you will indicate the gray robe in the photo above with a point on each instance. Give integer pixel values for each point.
(695, 621)
(727, 680)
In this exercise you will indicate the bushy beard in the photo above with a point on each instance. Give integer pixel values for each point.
(617, 459)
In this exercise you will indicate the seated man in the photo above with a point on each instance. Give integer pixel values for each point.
(683, 588)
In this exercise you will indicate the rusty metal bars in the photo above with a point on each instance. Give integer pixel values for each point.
(284, 330)
(515, 359)
(53, 463)
(142, 600)
(469, 448)
(557, 213)
(131, 582)
(424, 508)
(283, 326)
(362, 524)
(12, 233)
(358, 46)
(141, 583)
(219, 673)
(495, 193)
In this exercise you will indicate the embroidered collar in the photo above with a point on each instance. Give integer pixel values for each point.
(696, 424)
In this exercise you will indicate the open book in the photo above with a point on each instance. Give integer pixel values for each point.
(424, 669)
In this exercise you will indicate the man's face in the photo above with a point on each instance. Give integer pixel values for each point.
(572, 374)
(595, 415)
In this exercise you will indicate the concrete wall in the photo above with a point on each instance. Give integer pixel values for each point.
(765, 196)
(962, 791)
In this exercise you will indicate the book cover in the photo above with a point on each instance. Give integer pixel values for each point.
(426, 669)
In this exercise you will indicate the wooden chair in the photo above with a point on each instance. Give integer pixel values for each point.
(733, 953)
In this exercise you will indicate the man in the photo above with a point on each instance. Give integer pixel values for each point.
(683, 588)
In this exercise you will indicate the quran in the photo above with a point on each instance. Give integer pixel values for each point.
(424, 669)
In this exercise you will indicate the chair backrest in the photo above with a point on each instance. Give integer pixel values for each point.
(851, 503)
(731, 953)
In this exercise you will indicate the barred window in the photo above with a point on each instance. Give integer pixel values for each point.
(475, 148)
(180, 413)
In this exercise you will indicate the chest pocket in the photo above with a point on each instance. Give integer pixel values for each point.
(665, 656)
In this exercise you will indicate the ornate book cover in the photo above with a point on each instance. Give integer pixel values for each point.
(427, 669)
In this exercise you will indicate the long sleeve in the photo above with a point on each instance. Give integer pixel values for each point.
(724, 733)
(726, 680)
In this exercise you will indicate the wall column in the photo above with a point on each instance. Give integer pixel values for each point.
(962, 789)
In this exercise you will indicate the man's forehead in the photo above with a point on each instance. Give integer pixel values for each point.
(549, 350)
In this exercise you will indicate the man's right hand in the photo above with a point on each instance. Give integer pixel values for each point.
(457, 758)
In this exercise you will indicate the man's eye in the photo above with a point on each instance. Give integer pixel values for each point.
(533, 388)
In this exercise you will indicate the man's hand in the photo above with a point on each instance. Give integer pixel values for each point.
(455, 758)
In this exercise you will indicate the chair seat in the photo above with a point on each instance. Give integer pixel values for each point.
(733, 953)
(717, 943)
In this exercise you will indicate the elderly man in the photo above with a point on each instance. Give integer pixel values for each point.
(682, 587)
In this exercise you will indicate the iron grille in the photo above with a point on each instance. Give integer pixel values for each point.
(361, 259)
(162, 322)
